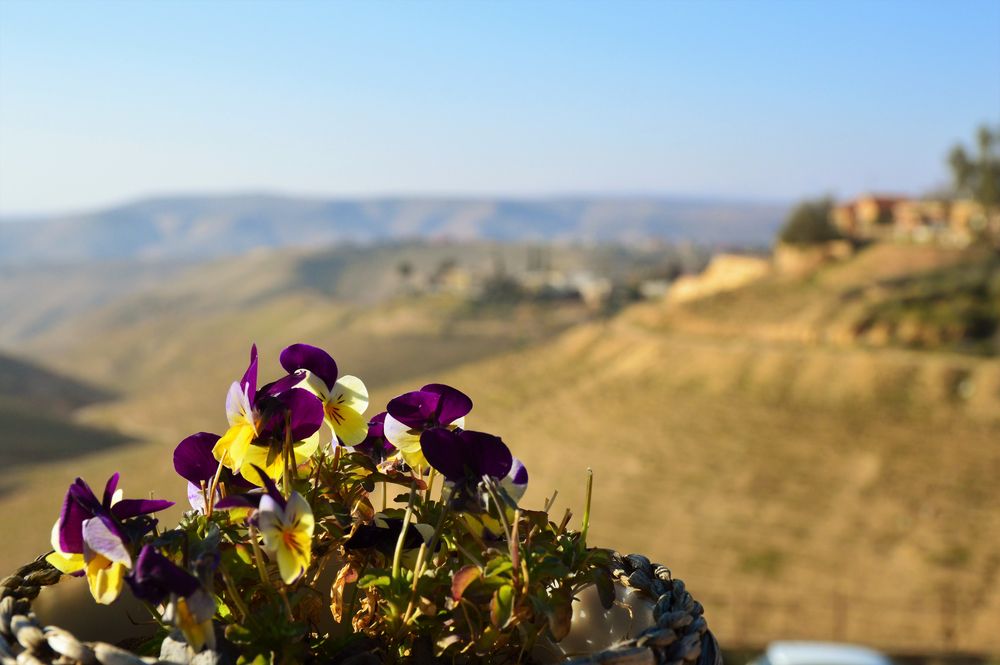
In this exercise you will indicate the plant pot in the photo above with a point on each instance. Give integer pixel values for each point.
(653, 621)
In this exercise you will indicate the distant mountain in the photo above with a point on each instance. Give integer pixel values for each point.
(198, 227)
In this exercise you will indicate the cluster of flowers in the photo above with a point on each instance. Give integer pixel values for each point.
(290, 487)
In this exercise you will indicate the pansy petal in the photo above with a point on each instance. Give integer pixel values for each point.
(127, 508)
(269, 522)
(286, 382)
(249, 380)
(109, 489)
(155, 577)
(231, 448)
(293, 559)
(453, 403)
(516, 481)
(256, 458)
(351, 392)
(351, 427)
(485, 454)
(312, 358)
(71, 520)
(444, 450)
(306, 412)
(101, 536)
(236, 501)
(414, 409)
(105, 579)
(299, 515)
(193, 458)
(401, 435)
(67, 564)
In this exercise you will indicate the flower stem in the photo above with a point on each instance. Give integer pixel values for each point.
(398, 554)
(210, 500)
(258, 556)
(234, 595)
(286, 454)
(586, 508)
(445, 508)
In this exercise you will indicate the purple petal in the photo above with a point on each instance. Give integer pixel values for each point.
(238, 501)
(270, 487)
(452, 405)
(443, 450)
(109, 489)
(286, 382)
(518, 473)
(193, 458)
(376, 426)
(80, 504)
(249, 380)
(375, 444)
(415, 409)
(155, 577)
(314, 359)
(127, 508)
(306, 412)
(485, 454)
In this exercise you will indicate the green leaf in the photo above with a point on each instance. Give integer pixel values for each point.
(382, 581)
(462, 579)
(502, 606)
(498, 566)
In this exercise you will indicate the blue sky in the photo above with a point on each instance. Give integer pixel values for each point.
(108, 101)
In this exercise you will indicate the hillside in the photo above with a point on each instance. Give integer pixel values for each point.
(803, 486)
(37, 419)
(199, 227)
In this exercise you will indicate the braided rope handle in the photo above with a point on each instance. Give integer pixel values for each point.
(23, 641)
(680, 635)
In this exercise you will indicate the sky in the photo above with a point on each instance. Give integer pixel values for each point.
(104, 102)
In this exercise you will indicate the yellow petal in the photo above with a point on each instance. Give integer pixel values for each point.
(350, 391)
(66, 563)
(257, 456)
(352, 427)
(232, 447)
(196, 633)
(294, 555)
(415, 458)
(105, 579)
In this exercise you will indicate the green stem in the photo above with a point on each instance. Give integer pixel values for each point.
(398, 554)
(286, 454)
(586, 509)
(258, 556)
(445, 509)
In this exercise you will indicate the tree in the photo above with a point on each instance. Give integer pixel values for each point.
(809, 223)
(978, 176)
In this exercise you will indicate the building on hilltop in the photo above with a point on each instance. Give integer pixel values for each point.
(946, 222)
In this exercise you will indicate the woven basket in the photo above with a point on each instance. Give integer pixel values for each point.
(680, 635)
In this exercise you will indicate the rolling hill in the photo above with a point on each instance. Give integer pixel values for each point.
(199, 227)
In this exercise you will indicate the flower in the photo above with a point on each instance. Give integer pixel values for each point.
(286, 527)
(88, 537)
(463, 457)
(194, 461)
(156, 579)
(344, 399)
(259, 421)
(515, 483)
(375, 444)
(412, 414)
